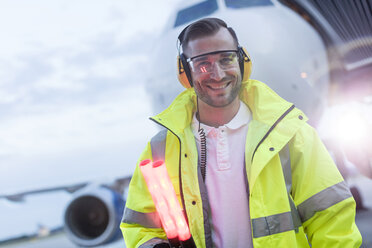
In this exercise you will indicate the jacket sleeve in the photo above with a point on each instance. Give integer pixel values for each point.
(323, 199)
(141, 226)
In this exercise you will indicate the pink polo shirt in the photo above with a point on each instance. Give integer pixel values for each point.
(226, 181)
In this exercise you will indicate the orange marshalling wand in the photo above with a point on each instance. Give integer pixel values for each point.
(166, 202)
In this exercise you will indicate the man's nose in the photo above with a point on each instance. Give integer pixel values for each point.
(217, 73)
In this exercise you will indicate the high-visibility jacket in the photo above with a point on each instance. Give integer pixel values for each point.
(293, 201)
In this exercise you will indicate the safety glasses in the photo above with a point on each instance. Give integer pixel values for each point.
(204, 63)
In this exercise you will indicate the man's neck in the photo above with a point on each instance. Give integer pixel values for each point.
(215, 117)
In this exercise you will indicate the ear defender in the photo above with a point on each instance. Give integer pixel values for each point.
(183, 72)
(245, 63)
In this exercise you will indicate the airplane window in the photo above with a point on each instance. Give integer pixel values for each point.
(196, 11)
(236, 4)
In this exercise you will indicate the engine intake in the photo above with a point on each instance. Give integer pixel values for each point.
(93, 216)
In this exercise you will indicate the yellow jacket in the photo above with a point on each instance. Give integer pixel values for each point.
(323, 207)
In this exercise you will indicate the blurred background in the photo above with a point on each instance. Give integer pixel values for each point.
(79, 79)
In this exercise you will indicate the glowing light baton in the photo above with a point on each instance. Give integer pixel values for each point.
(166, 203)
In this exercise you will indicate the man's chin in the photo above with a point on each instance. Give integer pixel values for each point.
(220, 103)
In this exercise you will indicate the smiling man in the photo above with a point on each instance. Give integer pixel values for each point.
(247, 168)
(216, 76)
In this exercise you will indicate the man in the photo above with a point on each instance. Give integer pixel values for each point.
(248, 170)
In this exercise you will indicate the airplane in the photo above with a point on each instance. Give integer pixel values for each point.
(299, 48)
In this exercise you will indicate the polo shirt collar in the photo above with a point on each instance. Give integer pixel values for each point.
(242, 117)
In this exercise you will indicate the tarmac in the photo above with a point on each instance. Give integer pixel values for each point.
(364, 222)
(58, 240)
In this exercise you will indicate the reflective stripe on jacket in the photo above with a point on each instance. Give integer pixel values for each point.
(311, 191)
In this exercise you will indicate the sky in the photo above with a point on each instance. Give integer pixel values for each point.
(73, 106)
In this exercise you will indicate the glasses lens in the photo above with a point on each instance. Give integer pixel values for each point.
(205, 64)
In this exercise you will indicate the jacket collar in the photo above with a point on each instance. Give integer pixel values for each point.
(266, 108)
(265, 105)
(179, 114)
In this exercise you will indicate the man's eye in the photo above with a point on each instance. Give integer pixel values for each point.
(226, 61)
(204, 64)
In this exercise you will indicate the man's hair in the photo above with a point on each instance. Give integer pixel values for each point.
(202, 28)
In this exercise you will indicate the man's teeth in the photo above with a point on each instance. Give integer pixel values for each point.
(217, 87)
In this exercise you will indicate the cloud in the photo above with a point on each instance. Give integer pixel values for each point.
(39, 129)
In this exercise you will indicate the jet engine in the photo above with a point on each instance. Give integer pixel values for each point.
(93, 216)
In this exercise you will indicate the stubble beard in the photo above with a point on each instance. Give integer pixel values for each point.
(220, 103)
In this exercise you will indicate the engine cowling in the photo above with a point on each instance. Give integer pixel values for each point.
(93, 216)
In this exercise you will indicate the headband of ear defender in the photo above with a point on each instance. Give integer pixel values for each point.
(184, 72)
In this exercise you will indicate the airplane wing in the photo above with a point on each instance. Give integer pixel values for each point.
(118, 185)
(19, 197)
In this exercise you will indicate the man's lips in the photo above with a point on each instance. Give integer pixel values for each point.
(218, 86)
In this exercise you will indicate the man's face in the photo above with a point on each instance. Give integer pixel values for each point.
(219, 84)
